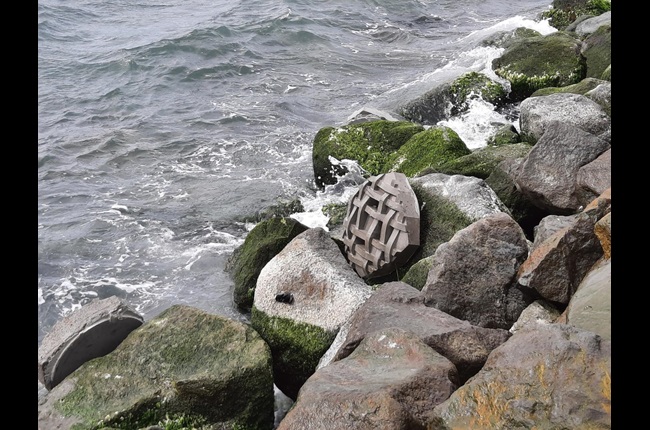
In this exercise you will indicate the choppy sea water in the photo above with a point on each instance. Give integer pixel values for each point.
(162, 125)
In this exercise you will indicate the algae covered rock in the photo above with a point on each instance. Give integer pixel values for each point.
(504, 135)
(481, 162)
(262, 243)
(440, 219)
(532, 63)
(370, 144)
(428, 149)
(185, 366)
(452, 98)
(597, 49)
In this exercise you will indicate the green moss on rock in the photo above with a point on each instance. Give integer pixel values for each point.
(474, 84)
(440, 219)
(505, 135)
(296, 347)
(428, 149)
(369, 144)
(532, 63)
(173, 370)
(581, 87)
(417, 275)
(598, 51)
(564, 13)
(481, 162)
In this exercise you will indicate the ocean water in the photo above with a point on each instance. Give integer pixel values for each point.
(163, 124)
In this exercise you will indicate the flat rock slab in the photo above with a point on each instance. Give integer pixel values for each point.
(91, 331)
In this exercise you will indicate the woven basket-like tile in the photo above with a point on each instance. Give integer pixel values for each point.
(382, 225)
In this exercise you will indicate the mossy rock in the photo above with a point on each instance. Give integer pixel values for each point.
(505, 135)
(296, 348)
(370, 144)
(452, 98)
(481, 162)
(607, 74)
(440, 219)
(418, 273)
(428, 149)
(597, 51)
(262, 243)
(582, 87)
(532, 63)
(171, 372)
(471, 85)
(563, 13)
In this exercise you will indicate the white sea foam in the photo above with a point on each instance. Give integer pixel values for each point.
(474, 126)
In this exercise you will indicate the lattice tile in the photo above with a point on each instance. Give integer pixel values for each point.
(382, 225)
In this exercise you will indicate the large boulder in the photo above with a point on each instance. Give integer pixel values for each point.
(262, 243)
(598, 90)
(391, 381)
(536, 62)
(552, 376)
(537, 113)
(396, 304)
(184, 367)
(473, 275)
(91, 331)
(560, 259)
(470, 194)
(303, 296)
(548, 175)
(448, 203)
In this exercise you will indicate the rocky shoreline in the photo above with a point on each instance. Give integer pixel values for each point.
(499, 319)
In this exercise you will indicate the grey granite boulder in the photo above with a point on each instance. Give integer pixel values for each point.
(473, 275)
(536, 113)
(591, 25)
(396, 304)
(552, 376)
(185, 367)
(91, 331)
(303, 296)
(391, 381)
(548, 175)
